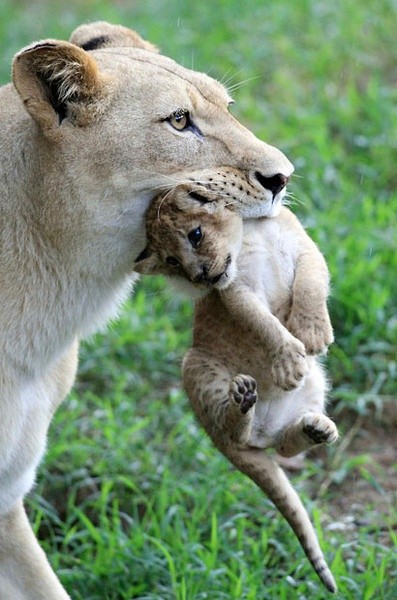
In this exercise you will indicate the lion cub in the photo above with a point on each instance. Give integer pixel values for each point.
(252, 376)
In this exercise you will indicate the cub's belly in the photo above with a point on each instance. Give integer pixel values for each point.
(238, 349)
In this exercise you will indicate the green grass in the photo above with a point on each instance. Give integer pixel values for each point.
(132, 500)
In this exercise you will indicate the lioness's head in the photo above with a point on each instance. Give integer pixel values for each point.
(122, 123)
(193, 238)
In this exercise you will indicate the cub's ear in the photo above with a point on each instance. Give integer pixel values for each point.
(52, 77)
(105, 35)
(148, 263)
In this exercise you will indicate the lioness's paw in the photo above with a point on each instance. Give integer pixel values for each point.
(243, 392)
(319, 428)
(314, 330)
(289, 364)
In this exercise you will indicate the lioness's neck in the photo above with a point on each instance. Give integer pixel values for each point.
(49, 235)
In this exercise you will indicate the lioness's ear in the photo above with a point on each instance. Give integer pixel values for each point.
(194, 198)
(105, 35)
(147, 263)
(51, 76)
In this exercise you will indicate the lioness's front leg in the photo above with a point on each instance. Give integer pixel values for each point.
(25, 573)
(287, 353)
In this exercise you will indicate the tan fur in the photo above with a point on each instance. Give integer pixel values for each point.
(167, 234)
(109, 36)
(88, 138)
(252, 376)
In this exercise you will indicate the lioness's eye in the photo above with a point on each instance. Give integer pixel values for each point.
(195, 237)
(171, 260)
(180, 120)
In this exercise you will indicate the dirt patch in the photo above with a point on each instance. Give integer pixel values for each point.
(358, 483)
(366, 496)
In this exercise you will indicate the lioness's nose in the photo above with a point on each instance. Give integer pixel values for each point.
(275, 183)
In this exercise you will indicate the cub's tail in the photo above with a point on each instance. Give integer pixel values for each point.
(266, 473)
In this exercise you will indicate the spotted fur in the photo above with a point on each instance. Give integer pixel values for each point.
(252, 375)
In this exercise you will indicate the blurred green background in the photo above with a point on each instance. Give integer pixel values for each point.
(133, 501)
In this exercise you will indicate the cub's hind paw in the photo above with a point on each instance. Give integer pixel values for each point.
(243, 392)
(319, 429)
(310, 430)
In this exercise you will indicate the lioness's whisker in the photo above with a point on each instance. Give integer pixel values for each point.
(239, 84)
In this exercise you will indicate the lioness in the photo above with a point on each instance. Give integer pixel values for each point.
(247, 376)
(91, 130)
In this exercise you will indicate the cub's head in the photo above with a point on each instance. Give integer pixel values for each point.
(192, 238)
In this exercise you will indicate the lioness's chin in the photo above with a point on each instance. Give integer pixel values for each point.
(265, 209)
(275, 210)
(275, 207)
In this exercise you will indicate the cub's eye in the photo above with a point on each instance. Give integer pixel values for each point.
(171, 260)
(179, 120)
(195, 237)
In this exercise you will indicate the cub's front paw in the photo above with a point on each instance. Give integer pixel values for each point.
(289, 364)
(243, 392)
(314, 330)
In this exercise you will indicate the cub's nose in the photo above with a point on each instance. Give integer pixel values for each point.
(202, 276)
(275, 183)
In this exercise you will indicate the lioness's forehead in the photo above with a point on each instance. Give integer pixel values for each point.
(137, 60)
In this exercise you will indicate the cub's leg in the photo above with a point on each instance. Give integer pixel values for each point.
(311, 429)
(225, 405)
(287, 354)
(309, 319)
(240, 408)
(307, 425)
(25, 573)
